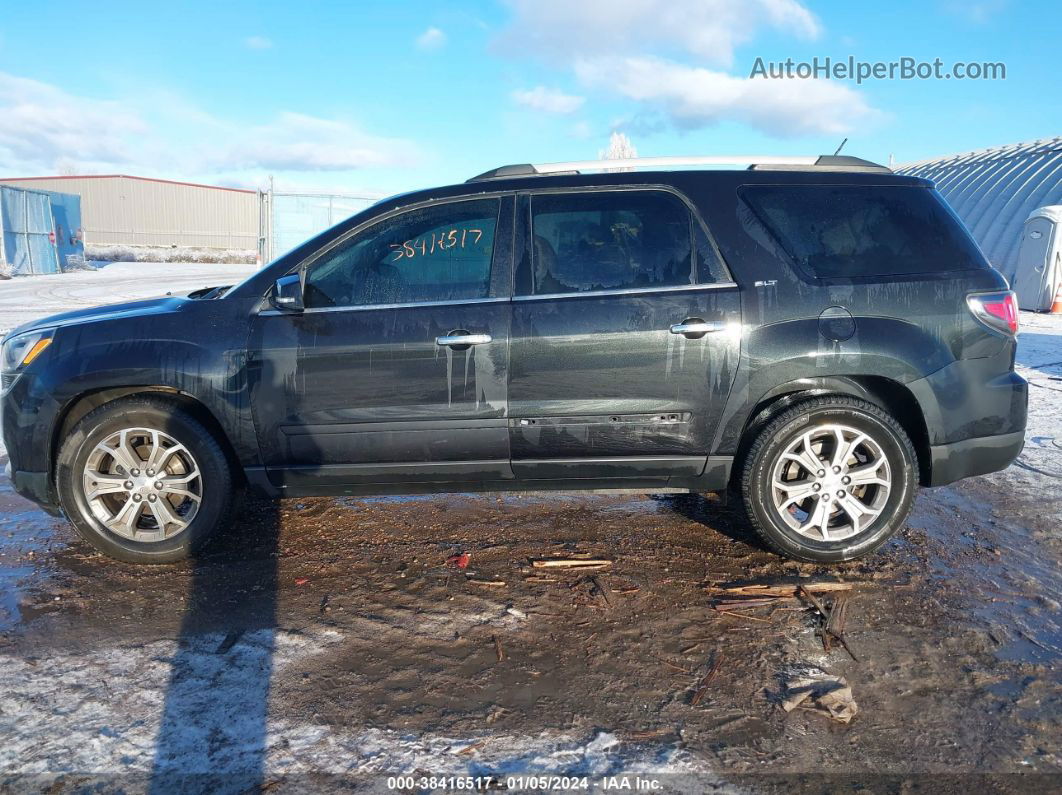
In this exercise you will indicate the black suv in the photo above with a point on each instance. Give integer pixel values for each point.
(820, 337)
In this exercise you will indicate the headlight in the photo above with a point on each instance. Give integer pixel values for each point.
(22, 349)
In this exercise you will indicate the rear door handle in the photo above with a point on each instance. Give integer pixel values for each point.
(698, 327)
(463, 339)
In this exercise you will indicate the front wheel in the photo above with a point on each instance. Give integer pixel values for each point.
(144, 481)
(829, 480)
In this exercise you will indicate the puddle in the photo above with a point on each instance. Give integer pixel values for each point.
(26, 534)
(1006, 574)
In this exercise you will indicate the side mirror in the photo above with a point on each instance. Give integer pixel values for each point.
(287, 293)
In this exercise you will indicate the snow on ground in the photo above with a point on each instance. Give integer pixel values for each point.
(26, 298)
(123, 253)
(114, 707)
(1039, 361)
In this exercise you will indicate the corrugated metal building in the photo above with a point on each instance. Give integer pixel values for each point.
(995, 190)
(154, 212)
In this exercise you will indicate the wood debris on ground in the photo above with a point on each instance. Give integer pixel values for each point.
(648, 734)
(554, 563)
(670, 664)
(601, 589)
(833, 620)
(743, 617)
(498, 648)
(728, 598)
(788, 590)
(702, 687)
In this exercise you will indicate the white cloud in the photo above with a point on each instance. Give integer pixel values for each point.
(581, 130)
(695, 97)
(297, 142)
(708, 29)
(431, 39)
(257, 43)
(671, 59)
(548, 100)
(976, 12)
(46, 130)
(41, 125)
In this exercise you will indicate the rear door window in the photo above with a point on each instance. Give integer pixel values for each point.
(440, 253)
(613, 240)
(853, 231)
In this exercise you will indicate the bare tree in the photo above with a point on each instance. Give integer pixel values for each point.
(67, 167)
(619, 148)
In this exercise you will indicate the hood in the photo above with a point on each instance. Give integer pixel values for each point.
(148, 306)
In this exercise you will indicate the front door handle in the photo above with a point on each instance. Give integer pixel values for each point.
(463, 339)
(695, 327)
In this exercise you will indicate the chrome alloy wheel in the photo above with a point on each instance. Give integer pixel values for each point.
(142, 484)
(831, 482)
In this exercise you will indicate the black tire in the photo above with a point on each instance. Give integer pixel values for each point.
(218, 497)
(770, 444)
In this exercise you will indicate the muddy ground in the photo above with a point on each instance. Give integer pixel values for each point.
(955, 624)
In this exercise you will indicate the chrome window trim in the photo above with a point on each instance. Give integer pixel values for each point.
(368, 307)
(628, 291)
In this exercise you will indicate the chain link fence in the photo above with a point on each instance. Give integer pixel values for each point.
(287, 219)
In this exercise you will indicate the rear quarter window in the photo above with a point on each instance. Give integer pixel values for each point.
(854, 231)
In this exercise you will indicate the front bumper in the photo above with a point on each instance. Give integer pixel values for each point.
(28, 413)
(35, 487)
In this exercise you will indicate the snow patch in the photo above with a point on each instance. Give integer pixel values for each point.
(33, 297)
(110, 712)
(126, 253)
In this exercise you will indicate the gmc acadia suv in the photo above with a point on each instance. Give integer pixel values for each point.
(820, 337)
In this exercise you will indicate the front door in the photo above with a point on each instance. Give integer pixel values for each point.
(397, 369)
(625, 337)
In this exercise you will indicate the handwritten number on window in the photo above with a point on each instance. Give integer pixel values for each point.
(428, 245)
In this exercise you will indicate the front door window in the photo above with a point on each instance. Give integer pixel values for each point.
(440, 253)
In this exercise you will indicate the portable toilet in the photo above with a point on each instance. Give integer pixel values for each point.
(1038, 273)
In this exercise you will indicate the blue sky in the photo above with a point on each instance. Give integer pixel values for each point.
(380, 97)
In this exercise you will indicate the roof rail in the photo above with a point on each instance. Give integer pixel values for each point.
(832, 162)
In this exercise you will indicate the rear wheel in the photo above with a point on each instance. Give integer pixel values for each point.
(144, 481)
(829, 480)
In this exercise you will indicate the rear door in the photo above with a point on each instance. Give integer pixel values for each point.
(397, 369)
(625, 336)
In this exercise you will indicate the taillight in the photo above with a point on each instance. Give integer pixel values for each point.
(998, 311)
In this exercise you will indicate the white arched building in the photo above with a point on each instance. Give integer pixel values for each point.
(995, 191)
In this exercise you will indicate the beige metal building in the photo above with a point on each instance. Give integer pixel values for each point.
(155, 212)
